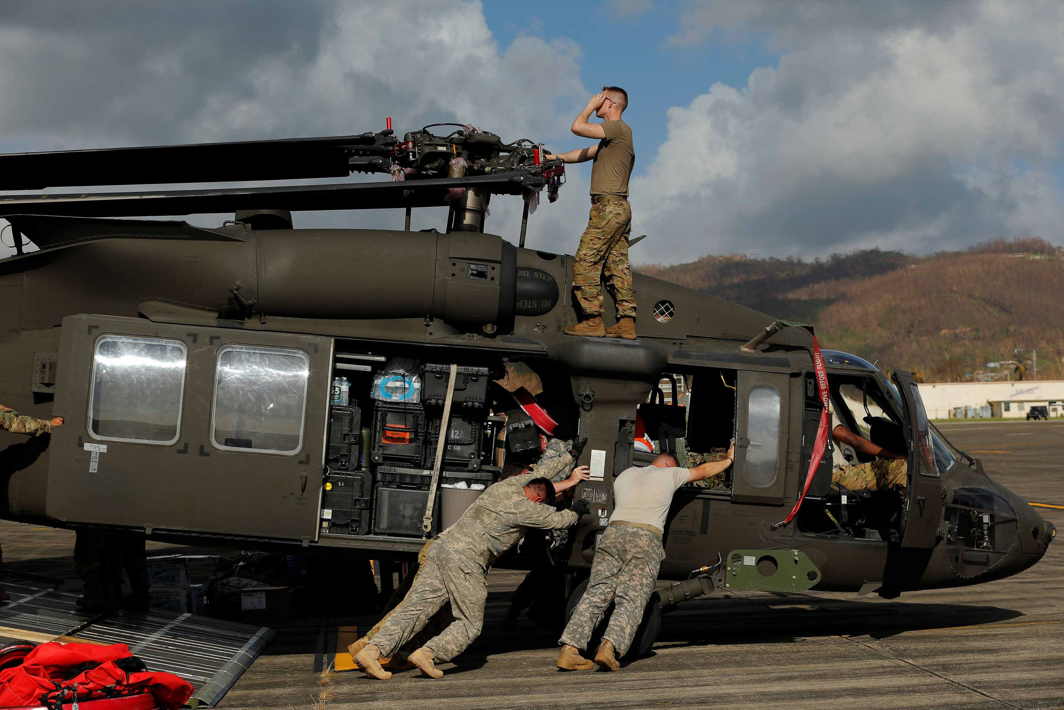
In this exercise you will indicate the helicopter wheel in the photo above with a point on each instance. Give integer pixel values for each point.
(645, 635)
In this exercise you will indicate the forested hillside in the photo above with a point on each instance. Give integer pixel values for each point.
(945, 316)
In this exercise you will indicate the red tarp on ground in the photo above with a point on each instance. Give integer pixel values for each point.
(55, 673)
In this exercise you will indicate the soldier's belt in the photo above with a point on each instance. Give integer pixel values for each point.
(642, 526)
(599, 198)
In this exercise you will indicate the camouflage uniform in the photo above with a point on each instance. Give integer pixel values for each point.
(603, 255)
(456, 567)
(627, 561)
(11, 420)
(879, 474)
(697, 459)
(556, 463)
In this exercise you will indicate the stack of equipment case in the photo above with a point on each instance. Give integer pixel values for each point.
(345, 438)
(345, 503)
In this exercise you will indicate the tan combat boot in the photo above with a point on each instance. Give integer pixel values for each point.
(368, 660)
(606, 656)
(422, 658)
(593, 326)
(623, 328)
(569, 659)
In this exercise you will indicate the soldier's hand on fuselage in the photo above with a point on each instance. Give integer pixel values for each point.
(580, 473)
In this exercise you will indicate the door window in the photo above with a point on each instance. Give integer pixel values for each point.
(136, 390)
(259, 399)
(763, 431)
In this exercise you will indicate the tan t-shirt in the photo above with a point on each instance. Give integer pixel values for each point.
(643, 494)
(614, 160)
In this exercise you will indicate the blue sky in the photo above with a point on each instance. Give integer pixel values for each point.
(633, 50)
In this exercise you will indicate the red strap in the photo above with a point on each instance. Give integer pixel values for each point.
(533, 409)
(821, 443)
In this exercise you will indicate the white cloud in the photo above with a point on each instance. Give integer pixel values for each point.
(909, 126)
(128, 74)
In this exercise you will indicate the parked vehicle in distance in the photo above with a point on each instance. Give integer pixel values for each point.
(1038, 411)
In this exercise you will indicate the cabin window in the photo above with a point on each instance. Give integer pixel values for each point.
(763, 431)
(136, 390)
(259, 399)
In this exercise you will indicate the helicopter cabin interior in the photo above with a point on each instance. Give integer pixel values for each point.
(696, 415)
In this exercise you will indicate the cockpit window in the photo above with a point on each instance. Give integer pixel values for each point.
(983, 499)
(945, 455)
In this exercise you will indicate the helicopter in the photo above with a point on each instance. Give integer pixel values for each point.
(259, 384)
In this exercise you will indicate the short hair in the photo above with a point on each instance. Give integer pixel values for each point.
(618, 90)
(665, 461)
(543, 486)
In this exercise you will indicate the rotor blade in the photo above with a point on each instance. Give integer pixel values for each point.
(347, 196)
(48, 232)
(283, 159)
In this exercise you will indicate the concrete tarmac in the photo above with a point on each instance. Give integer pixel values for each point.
(996, 645)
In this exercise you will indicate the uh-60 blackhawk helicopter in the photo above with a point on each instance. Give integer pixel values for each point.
(264, 385)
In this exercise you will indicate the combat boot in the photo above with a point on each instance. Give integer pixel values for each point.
(368, 659)
(569, 659)
(593, 326)
(606, 656)
(623, 328)
(422, 658)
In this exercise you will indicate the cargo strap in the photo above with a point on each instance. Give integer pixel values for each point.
(441, 446)
(820, 445)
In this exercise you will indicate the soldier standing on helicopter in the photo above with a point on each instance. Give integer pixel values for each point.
(603, 251)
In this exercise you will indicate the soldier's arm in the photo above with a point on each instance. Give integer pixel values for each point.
(712, 468)
(540, 515)
(580, 473)
(556, 468)
(577, 155)
(582, 125)
(14, 422)
(844, 436)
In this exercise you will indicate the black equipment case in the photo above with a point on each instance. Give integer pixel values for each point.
(345, 503)
(398, 433)
(465, 443)
(399, 511)
(345, 438)
(470, 386)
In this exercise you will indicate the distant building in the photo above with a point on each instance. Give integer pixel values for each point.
(1012, 400)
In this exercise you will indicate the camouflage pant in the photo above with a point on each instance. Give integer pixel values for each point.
(874, 475)
(603, 256)
(627, 561)
(443, 577)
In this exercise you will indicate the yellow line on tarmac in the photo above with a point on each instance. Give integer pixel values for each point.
(1045, 505)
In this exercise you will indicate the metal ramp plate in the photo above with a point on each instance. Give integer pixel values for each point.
(209, 653)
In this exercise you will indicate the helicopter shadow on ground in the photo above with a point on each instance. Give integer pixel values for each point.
(785, 619)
